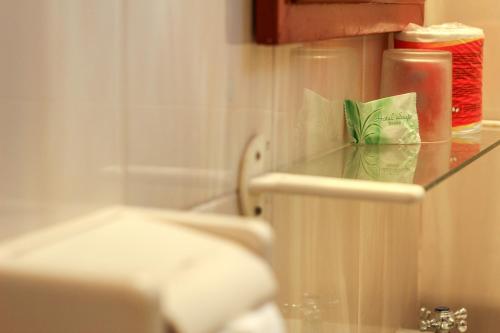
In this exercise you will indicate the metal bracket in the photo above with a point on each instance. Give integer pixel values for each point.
(254, 180)
(255, 161)
(491, 124)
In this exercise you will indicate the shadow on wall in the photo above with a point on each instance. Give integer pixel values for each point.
(239, 25)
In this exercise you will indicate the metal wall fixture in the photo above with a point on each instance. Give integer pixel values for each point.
(256, 180)
(443, 320)
(491, 123)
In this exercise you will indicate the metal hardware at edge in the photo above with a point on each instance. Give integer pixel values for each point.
(443, 320)
(254, 180)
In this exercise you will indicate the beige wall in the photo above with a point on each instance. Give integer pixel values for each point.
(460, 255)
(460, 244)
(346, 266)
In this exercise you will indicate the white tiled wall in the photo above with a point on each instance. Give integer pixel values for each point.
(60, 109)
(152, 102)
(197, 89)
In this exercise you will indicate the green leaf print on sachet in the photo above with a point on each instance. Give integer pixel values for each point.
(363, 129)
(391, 120)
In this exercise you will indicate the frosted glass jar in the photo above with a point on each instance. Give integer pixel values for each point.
(429, 74)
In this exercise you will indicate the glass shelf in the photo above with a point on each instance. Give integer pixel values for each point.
(426, 164)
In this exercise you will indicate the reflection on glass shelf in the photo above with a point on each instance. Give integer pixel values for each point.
(426, 164)
(381, 162)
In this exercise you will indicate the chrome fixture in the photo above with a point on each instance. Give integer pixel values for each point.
(443, 321)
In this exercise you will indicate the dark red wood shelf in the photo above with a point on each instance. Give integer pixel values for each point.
(285, 21)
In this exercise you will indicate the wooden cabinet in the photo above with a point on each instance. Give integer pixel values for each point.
(289, 21)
